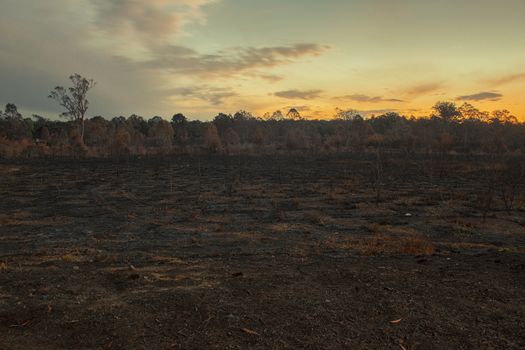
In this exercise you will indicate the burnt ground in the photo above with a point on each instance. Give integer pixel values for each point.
(259, 253)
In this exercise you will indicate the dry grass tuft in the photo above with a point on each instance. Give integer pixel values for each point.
(316, 217)
(394, 245)
(73, 258)
(381, 244)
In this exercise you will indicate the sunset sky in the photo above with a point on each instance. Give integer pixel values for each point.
(201, 57)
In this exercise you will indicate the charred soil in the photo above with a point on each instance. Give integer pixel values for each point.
(279, 252)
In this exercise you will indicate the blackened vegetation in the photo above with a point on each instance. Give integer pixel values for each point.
(263, 252)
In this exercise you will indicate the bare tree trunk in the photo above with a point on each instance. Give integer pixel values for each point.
(491, 184)
(82, 129)
(379, 175)
(489, 194)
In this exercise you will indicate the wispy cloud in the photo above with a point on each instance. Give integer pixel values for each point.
(508, 79)
(299, 94)
(481, 96)
(271, 77)
(424, 88)
(369, 99)
(214, 96)
(231, 62)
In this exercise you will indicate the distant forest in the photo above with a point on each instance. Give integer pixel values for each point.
(462, 129)
(450, 128)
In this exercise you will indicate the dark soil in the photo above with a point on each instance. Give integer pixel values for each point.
(259, 253)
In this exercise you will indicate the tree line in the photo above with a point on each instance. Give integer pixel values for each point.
(451, 128)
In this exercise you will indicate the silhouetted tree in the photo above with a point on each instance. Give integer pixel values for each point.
(161, 135)
(347, 115)
(447, 111)
(470, 113)
(212, 141)
(222, 122)
(503, 116)
(277, 115)
(231, 140)
(11, 111)
(13, 125)
(179, 119)
(294, 114)
(138, 123)
(242, 115)
(74, 99)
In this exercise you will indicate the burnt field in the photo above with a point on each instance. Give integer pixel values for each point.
(262, 252)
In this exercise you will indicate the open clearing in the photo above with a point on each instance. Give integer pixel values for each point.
(258, 252)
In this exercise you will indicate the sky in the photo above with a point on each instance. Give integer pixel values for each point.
(202, 57)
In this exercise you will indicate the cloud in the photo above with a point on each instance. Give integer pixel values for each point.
(134, 59)
(78, 39)
(145, 33)
(508, 79)
(423, 89)
(481, 96)
(272, 78)
(231, 62)
(151, 21)
(214, 96)
(366, 98)
(299, 94)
